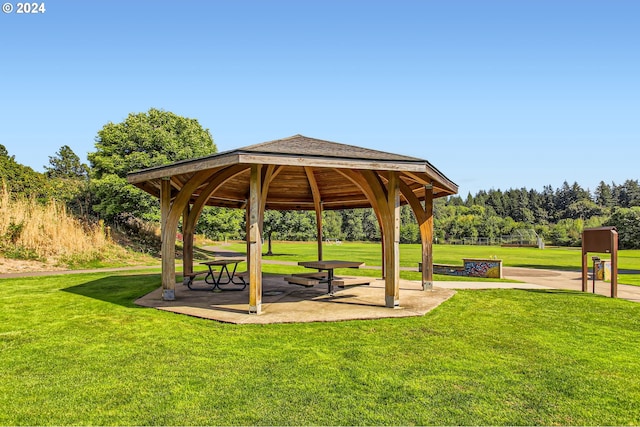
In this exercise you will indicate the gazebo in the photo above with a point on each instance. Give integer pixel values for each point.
(295, 173)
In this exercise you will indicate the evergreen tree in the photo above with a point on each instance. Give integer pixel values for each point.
(604, 195)
(70, 178)
(66, 164)
(628, 194)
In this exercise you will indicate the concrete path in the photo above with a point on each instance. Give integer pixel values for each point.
(569, 280)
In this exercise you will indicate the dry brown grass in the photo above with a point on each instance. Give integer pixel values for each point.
(33, 230)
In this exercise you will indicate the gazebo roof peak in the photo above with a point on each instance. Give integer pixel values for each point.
(300, 145)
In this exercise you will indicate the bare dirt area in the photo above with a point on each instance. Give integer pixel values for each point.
(25, 266)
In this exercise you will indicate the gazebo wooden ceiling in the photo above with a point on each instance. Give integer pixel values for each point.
(295, 173)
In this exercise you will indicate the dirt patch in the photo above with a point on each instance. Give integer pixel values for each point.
(25, 266)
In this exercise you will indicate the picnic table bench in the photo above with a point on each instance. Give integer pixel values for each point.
(188, 278)
(229, 277)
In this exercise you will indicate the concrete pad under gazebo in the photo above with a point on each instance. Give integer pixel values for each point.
(296, 173)
(284, 303)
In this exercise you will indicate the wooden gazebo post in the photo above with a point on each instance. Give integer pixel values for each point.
(391, 242)
(167, 250)
(317, 205)
(187, 243)
(254, 242)
(426, 237)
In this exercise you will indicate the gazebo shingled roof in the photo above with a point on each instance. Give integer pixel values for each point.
(290, 189)
(295, 173)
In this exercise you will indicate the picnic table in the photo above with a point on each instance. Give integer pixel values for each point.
(224, 277)
(329, 266)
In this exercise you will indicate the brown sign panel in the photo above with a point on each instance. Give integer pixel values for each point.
(598, 239)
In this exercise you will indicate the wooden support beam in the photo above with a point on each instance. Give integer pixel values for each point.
(220, 179)
(317, 204)
(424, 217)
(392, 242)
(168, 244)
(426, 236)
(254, 239)
(267, 175)
(377, 203)
(187, 245)
(170, 216)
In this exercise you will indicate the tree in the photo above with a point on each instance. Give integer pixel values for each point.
(495, 200)
(567, 232)
(583, 209)
(409, 229)
(604, 195)
(272, 224)
(628, 194)
(66, 164)
(220, 223)
(352, 224)
(20, 179)
(627, 223)
(141, 141)
(70, 180)
(332, 225)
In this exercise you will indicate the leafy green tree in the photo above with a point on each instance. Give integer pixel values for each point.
(352, 224)
(489, 226)
(298, 225)
(141, 141)
(22, 180)
(220, 223)
(583, 209)
(272, 224)
(508, 225)
(567, 232)
(409, 229)
(332, 225)
(370, 225)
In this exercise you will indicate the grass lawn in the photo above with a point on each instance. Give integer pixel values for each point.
(75, 350)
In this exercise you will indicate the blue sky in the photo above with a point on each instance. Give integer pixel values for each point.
(496, 94)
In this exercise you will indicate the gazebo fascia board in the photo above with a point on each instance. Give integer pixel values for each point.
(184, 167)
(295, 173)
(249, 158)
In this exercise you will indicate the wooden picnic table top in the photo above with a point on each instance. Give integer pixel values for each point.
(223, 261)
(330, 264)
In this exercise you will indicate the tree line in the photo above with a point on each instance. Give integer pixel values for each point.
(99, 190)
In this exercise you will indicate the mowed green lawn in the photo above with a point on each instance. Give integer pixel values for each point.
(75, 350)
(410, 254)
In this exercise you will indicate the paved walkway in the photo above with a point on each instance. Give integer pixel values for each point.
(570, 280)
